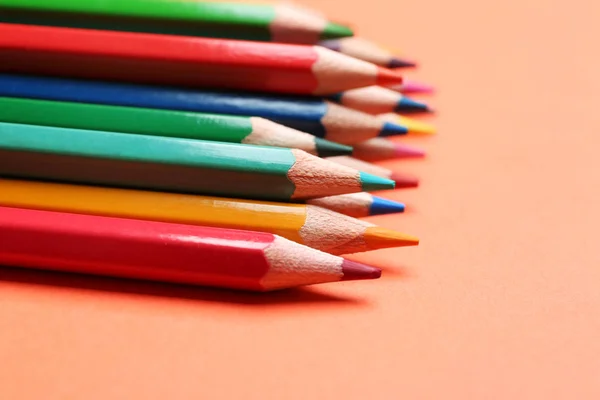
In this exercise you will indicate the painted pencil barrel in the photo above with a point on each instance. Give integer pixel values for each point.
(184, 61)
(174, 164)
(165, 252)
(280, 23)
(188, 125)
(315, 116)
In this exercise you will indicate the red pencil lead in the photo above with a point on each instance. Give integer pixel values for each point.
(356, 271)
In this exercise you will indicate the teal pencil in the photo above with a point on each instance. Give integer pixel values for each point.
(174, 164)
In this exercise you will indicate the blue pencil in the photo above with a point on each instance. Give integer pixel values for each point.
(316, 116)
(359, 204)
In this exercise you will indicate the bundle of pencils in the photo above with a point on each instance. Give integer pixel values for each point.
(206, 143)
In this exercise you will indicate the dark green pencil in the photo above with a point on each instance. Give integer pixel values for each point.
(277, 23)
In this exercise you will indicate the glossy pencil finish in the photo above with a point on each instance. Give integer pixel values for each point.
(165, 252)
(401, 180)
(379, 100)
(410, 86)
(315, 116)
(174, 164)
(313, 226)
(382, 149)
(413, 125)
(278, 23)
(366, 50)
(358, 205)
(184, 61)
(189, 125)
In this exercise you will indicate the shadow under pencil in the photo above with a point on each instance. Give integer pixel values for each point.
(302, 295)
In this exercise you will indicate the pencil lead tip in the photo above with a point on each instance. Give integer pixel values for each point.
(372, 182)
(416, 87)
(381, 206)
(326, 148)
(335, 31)
(381, 238)
(404, 181)
(401, 63)
(404, 151)
(354, 271)
(415, 126)
(392, 129)
(406, 104)
(388, 77)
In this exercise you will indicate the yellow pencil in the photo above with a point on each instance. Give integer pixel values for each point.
(310, 225)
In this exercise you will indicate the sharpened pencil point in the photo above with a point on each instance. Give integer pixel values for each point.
(381, 238)
(325, 148)
(408, 105)
(415, 126)
(404, 151)
(388, 77)
(335, 31)
(381, 206)
(354, 271)
(392, 129)
(416, 87)
(373, 182)
(401, 63)
(404, 181)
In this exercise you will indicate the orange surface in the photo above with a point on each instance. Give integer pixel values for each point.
(501, 300)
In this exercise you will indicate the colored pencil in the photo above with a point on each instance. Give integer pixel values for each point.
(359, 205)
(382, 149)
(365, 50)
(310, 225)
(165, 252)
(379, 100)
(401, 180)
(277, 23)
(183, 60)
(189, 125)
(410, 86)
(173, 164)
(315, 116)
(414, 126)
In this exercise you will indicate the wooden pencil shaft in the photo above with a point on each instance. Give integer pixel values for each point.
(193, 18)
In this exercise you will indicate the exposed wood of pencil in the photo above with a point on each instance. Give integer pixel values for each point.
(129, 248)
(368, 51)
(313, 226)
(401, 180)
(358, 205)
(185, 61)
(381, 149)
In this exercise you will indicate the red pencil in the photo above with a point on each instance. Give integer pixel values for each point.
(166, 252)
(184, 61)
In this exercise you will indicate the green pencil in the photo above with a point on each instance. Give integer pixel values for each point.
(182, 124)
(278, 23)
(174, 164)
